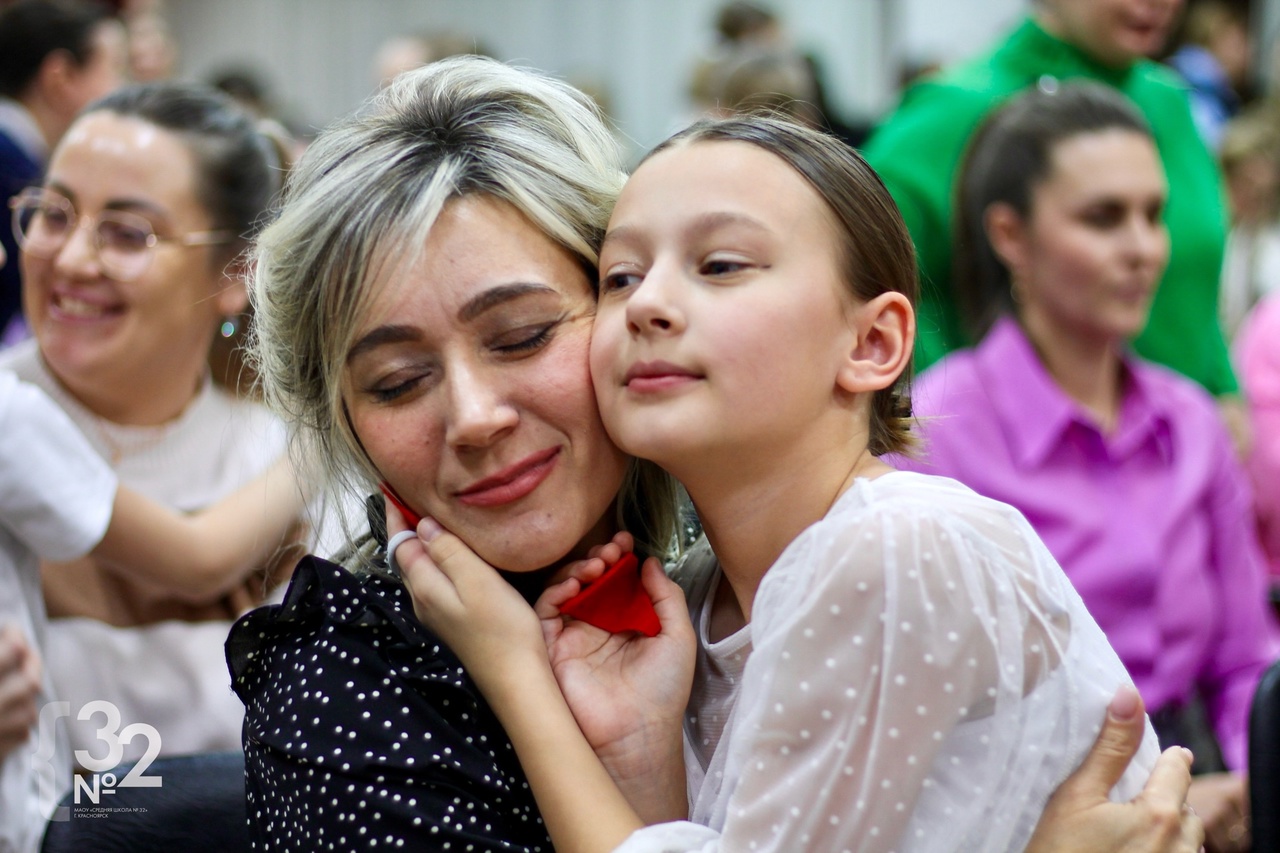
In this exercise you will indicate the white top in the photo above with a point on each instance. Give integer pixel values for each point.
(170, 675)
(923, 677)
(55, 502)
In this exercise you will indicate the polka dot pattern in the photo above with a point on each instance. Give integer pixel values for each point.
(363, 732)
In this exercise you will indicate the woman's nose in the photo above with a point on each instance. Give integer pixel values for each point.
(1150, 243)
(479, 412)
(79, 254)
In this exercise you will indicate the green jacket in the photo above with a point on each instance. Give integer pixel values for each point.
(918, 149)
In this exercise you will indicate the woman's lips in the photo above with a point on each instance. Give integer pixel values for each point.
(512, 483)
(67, 306)
(648, 377)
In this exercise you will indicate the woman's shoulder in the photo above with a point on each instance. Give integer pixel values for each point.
(331, 612)
(1179, 398)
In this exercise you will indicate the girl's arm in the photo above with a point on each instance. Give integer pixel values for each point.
(498, 638)
(204, 554)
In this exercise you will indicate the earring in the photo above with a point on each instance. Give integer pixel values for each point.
(1015, 293)
(230, 325)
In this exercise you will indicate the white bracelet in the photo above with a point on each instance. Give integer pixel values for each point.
(395, 542)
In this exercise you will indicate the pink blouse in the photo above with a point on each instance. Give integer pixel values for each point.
(1152, 522)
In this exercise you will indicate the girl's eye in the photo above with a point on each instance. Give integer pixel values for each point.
(618, 281)
(721, 266)
(526, 339)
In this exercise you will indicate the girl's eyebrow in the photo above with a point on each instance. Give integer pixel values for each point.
(701, 224)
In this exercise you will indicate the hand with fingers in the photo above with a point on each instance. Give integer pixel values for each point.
(465, 601)
(1221, 800)
(1079, 817)
(19, 688)
(627, 691)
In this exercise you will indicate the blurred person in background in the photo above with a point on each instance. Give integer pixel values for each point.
(1123, 467)
(1250, 157)
(159, 188)
(55, 57)
(1257, 352)
(1214, 59)
(917, 150)
(405, 52)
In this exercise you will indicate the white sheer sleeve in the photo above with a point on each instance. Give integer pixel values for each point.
(923, 676)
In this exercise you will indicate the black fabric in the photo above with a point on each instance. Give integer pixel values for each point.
(1264, 761)
(198, 808)
(362, 730)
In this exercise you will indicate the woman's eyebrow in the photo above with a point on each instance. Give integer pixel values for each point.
(390, 334)
(477, 305)
(129, 204)
(496, 296)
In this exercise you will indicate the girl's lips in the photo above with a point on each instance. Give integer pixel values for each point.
(512, 483)
(655, 376)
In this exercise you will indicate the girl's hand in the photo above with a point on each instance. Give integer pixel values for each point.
(466, 603)
(627, 692)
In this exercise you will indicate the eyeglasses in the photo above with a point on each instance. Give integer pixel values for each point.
(43, 222)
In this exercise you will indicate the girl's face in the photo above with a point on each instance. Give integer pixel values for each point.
(723, 317)
(1087, 259)
(1114, 32)
(468, 387)
(110, 341)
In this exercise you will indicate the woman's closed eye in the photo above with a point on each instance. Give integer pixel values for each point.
(525, 339)
(400, 382)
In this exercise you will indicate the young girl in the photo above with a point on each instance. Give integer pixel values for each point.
(886, 661)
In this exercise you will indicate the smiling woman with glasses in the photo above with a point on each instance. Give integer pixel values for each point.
(44, 220)
(129, 254)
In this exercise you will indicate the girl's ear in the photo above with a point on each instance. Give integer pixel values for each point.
(1007, 234)
(884, 336)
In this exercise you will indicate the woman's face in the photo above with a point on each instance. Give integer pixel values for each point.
(468, 387)
(1114, 32)
(723, 318)
(1087, 259)
(124, 347)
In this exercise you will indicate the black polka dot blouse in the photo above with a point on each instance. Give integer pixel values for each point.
(363, 732)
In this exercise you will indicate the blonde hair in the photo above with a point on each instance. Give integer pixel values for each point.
(362, 200)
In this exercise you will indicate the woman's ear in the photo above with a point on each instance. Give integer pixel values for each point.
(1007, 234)
(232, 296)
(885, 335)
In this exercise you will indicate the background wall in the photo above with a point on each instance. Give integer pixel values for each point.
(318, 54)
